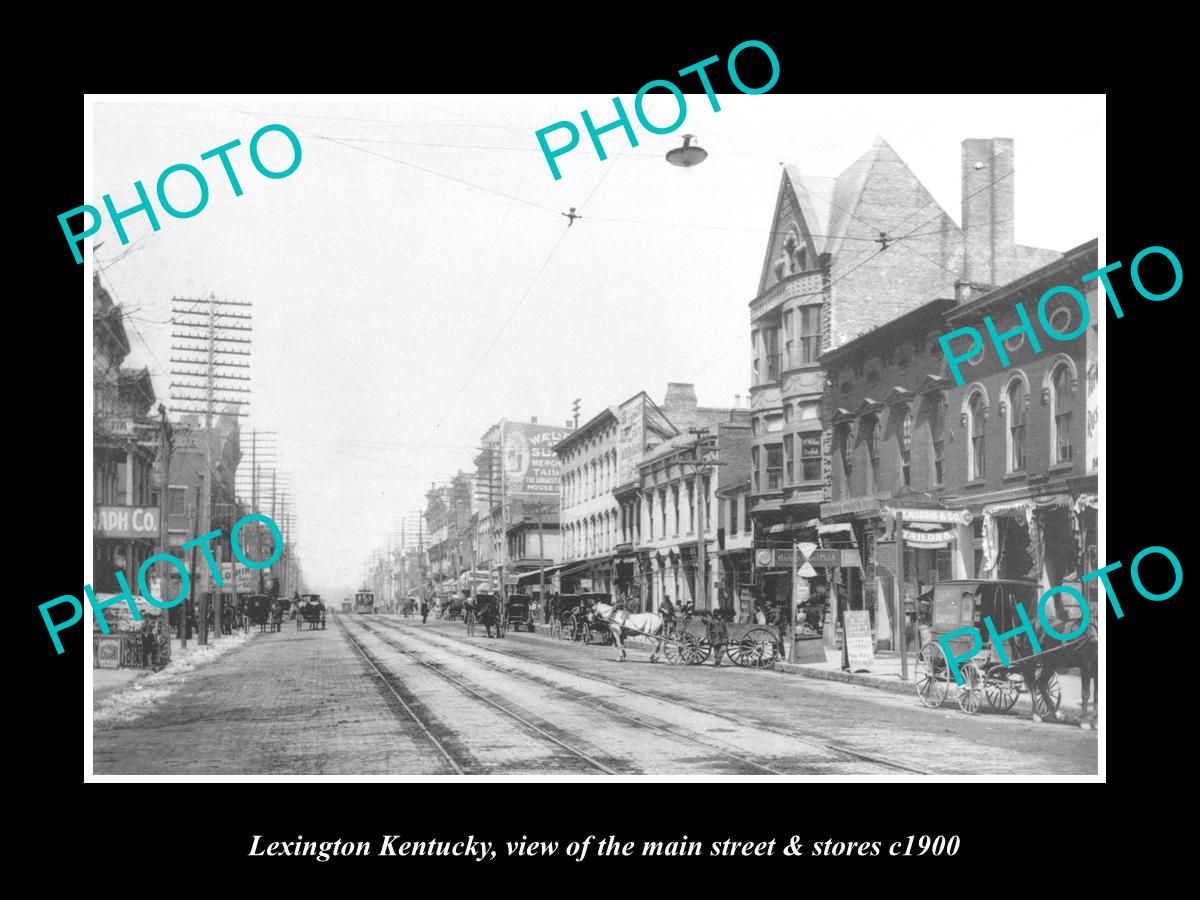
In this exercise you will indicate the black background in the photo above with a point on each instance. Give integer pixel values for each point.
(1020, 835)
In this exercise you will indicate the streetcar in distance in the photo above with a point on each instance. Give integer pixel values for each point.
(364, 602)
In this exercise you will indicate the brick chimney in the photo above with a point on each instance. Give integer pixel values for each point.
(987, 211)
(680, 404)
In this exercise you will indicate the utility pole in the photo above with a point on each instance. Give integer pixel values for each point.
(403, 563)
(699, 466)
(165, 456)
(197, 323)
(901, 612)
(188, 603)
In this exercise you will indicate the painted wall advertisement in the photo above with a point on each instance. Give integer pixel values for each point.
(631, 429)
(125, 522)
(531, 467)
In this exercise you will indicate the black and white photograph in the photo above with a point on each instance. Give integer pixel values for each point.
(704, 432)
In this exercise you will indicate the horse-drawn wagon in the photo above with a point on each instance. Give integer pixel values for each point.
(1000, 674)
(486, 611)
(575, 619)
(264, 611)
(310, 611)
(684, 642)
(518, 612)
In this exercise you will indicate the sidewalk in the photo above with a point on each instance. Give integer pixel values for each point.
(122, 694)
(885, 676)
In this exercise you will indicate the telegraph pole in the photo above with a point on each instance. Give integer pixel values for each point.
(699, 467)
(197, 321)
(165, 455)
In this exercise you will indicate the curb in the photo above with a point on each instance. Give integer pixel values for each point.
(881, 684)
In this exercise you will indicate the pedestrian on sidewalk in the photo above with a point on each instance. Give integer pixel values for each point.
(666, 611)
(718, 635)
(424, 612)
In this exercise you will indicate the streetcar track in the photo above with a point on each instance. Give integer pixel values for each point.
(800, 738)
(387, 682)
(474, 691)
(659, 727)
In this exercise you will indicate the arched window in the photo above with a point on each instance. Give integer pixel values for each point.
(1016, 397)
(872, 436)
(846, 443)
(937, 434)
(975, 427)
(905, 437)
(1060, 413)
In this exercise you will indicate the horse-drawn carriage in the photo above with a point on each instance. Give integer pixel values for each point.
(685, 642)
(485, 612)
(575, 620)
(518, 612)
(1001, 674)
(310, 611)
(264, 611)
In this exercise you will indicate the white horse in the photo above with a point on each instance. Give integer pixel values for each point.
(621, 623)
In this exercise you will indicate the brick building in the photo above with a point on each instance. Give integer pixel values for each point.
(600, 500)
(517, 476)
(677, 500)
(995, 478)
(125, 519)
(848, 255)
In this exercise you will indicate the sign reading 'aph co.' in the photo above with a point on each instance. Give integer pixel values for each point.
(125, 521)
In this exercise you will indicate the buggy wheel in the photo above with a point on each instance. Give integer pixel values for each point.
(1001, 692)
(1053, 689)
(698, 652)
(733, 651)
(932, 675)
(970, 692)
(757, 648)
(679, 648)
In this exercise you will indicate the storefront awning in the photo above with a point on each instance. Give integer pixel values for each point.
(835, 527)
(536, 574)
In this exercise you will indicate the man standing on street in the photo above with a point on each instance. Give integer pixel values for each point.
(667, 611)
(718, 635)
(424, 611)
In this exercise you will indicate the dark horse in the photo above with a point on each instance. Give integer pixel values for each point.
(1037, 669)
(488, 615)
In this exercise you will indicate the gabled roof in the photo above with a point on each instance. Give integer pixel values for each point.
(831, 207)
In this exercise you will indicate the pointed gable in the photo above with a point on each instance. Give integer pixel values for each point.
(923, 259)
(879, 192)
(802, 211)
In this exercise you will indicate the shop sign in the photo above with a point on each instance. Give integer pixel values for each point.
(125, 522)
(853, 505)
(858, 653)
(929, 539)
(943, 516)
(825, 558)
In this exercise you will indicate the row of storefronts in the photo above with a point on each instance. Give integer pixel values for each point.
(868, 466)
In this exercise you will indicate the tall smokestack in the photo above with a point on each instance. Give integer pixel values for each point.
(987, 210)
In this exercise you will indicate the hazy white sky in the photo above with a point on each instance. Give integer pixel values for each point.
(394, 317)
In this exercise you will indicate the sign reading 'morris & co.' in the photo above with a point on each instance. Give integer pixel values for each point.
(125, 522)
